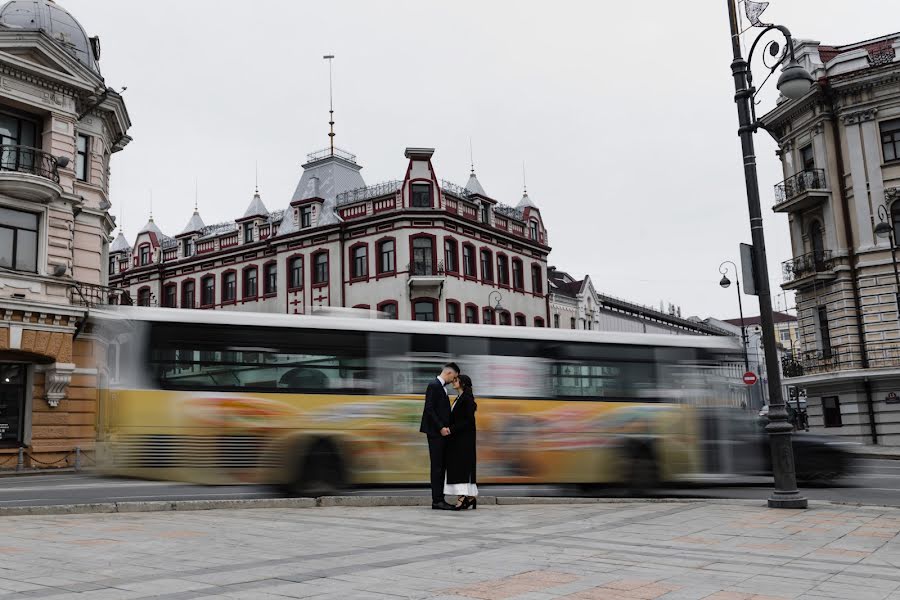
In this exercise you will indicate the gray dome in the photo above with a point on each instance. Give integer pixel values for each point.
(57, 23)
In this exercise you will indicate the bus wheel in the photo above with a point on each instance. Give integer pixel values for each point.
(322, 473)
(643, 473)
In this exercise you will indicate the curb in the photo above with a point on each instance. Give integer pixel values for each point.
(373, 501)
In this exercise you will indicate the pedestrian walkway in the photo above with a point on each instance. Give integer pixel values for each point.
(714, 550)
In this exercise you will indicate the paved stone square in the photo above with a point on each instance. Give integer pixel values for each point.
(629, 550)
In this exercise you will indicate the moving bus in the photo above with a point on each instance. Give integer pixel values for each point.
(316, 403)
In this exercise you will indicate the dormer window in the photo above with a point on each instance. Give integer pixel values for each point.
(306, 217)
(533, 230)
(144, 258)
(187, 247)
(248, 232)
(421, 195)
(485, 214)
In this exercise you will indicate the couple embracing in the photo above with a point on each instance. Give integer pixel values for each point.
(450, 427)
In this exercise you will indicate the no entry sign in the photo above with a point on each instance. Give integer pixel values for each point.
(749, 377)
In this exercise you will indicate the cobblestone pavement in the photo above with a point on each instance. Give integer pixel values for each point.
(628, 550)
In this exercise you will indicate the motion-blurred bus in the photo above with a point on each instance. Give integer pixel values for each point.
(315, 403)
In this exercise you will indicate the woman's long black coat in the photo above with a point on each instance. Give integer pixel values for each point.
(461, 443)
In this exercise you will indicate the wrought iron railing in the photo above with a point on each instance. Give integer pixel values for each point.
(455, 190)
(804, 181)
(509, 211)
(842, 358)
(421, 268)
(26, 159)
(798, 267)
(326, 152)
(93, 295)
(366, 193)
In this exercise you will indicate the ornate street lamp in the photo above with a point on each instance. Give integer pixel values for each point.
(882, 230)
(497, 307)
(793, 83)
(726, 283)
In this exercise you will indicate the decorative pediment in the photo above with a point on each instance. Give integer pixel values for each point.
(38, 58)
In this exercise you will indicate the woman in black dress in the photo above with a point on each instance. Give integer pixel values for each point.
(460, 480)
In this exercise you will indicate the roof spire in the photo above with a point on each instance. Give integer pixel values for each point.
(471, 156)
(330, 59)
(524, 185)
(151, 204)
(196, 194)
(256, 175)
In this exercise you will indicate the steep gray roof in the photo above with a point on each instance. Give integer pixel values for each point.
(525, 202)
(474, 186)
(324, 178)
(151, 226)
(256, 208)
(120, 244)
(194, 225)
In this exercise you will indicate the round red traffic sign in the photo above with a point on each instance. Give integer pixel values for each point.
(749, 377)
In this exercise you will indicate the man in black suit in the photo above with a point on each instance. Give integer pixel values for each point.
(435, 424)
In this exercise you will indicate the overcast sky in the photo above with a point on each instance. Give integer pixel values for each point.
(622, 112)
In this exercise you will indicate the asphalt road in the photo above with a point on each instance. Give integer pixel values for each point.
(876, 481)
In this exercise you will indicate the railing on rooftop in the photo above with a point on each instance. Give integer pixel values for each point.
(25, 159)
(804, 181)
(811, 263)
(326, 152)
(455, 190)
(93, 295)
(368, 192)
(509, 211)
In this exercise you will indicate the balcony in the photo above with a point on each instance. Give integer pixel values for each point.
(806, 270)
(804, 190)
(28, 173)
(845, 357)
(93, 295)
(426, 274)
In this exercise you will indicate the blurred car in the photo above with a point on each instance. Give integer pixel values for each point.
(739, 443)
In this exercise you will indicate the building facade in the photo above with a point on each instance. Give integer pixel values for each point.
(59, 126)
(576, 304)
(414, 248)
(840, 151)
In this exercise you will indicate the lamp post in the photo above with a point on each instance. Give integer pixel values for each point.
(884, 229)
(497, 306)
(793, 83)
(726, 283)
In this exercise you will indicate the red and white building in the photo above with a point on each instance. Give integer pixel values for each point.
(414, 248)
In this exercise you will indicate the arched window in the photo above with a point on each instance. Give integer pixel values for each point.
(453, 315)
(468, 260)
(251, 286)
(270, 285)
(520, 320)
(295, 272)
(188, 294)
(487, 265)
(451, 256)
(170, 295)
(387, 257)
(538, 322)
(208, 291)
(143, 296)
(505, 318)
(425, 309)
(229, 287)
(518, 275)
(359, 265)
(537, 281)
(471, 313)
(422, 256)
(487, 316)
(320, 268)
(502, 270)
(389, 308)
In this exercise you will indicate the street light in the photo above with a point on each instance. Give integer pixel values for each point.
(726, 283)
(882, 230)
(793, 83)
(497, 307)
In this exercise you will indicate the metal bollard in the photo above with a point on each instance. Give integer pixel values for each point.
(77, 459)
(20, 463)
